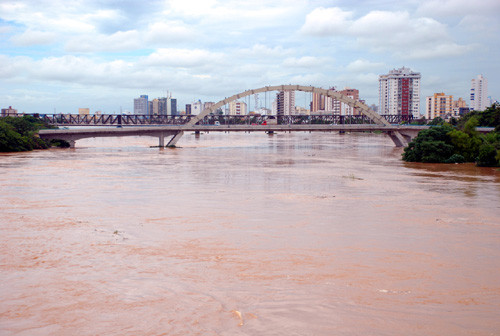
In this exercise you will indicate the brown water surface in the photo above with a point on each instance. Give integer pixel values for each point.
(247, 234)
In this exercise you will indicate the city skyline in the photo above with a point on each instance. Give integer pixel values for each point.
(60, 56)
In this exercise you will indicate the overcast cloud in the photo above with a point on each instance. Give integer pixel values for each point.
(62, 55)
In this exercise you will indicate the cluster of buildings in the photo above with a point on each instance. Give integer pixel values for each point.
(444, 106)
(283, 104)
(399, 94)
(158, 106)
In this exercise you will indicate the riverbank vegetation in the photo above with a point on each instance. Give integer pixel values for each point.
(18, 134)
(459, 141)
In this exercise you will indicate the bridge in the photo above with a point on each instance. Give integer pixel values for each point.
(207, 120)
(162, 132)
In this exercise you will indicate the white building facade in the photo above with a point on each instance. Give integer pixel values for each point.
(479, 100)
(196, 107)
(285, 103)
(399, 93)
(141, 105)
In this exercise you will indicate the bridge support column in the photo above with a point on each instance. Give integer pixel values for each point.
(161, 141)
(71, 143)
(398, 139)
(175, 138)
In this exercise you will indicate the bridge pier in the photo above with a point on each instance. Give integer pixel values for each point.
(174, 139)
(161, 140)
(397, 138)
(72, 143)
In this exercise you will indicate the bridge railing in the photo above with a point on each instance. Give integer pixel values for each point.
(297, 119)
(138, 120)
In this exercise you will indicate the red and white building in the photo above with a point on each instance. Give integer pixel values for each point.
(399, 92)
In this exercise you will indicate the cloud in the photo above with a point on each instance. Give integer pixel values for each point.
(31, 37)
(362, 65)
(262, 51)
(119, 41)
(442, 51)
(5, 29)
(459, 8)
(326, 21)
(307, 62)
(242, 14)
(186, 58)
(166, 32)
(382, 31)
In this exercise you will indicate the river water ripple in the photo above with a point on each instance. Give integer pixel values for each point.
(247, 234)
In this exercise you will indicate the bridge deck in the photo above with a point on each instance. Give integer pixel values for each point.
(153, 130)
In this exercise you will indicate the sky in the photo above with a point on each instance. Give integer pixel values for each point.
(61, 55)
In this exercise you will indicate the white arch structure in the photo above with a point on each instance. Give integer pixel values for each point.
(398, 139)
(363, 108)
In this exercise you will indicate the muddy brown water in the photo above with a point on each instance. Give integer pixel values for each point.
(247, 234)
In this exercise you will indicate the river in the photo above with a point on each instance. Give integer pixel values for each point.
(247, 234)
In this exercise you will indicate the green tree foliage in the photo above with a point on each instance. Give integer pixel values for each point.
(445, 144)
(436, 121)
(431, 145)
(487, 156)
(487, 118)
(465, 144)
(19, 134)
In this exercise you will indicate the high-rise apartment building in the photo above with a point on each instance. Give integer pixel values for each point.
(167, 106)
(172, 106)
(438, 105)
(479, 100)
(156, 107)
(317, 103)
(141, 105)
(285, 103)
(399, 93)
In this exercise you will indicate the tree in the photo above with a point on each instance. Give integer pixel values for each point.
(436, 121)
(465, 144)
(431, 145)
(487, 156)
(19, 134)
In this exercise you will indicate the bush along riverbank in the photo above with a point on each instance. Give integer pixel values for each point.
(19, 134)
(461, 143)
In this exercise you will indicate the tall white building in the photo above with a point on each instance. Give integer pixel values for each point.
(285, 103)
(141, 105)
(399, 93)
(479, 100)
(196, 107)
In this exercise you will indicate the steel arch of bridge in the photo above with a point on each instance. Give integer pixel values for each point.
(363, 108)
